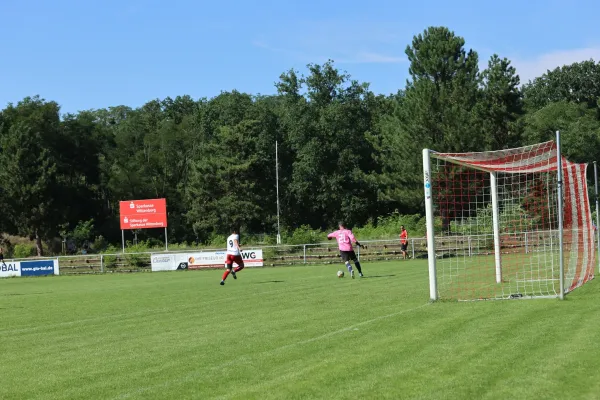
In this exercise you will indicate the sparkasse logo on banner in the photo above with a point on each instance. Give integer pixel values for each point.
(143, 214)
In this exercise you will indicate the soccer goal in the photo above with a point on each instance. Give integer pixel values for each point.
(498, 229)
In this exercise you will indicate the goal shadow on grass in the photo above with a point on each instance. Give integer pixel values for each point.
(271, 282)
(378, 276)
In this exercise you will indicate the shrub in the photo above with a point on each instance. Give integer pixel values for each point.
(83, 232)
(23, 250)
(305, 234)
(217, 241)
(388, 227)
(137, 260)
(110, 261)
(482, 222)
(100, 244)
(7, 246)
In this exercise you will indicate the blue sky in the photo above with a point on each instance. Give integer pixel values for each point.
(99, 53)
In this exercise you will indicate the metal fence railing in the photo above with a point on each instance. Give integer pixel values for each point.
(305, 254)
(273, 256)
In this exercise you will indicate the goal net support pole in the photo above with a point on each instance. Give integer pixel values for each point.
(559, 193)
(496, 225)
(430, 234)
(597, 213)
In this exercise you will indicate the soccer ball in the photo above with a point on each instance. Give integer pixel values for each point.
(340, 274)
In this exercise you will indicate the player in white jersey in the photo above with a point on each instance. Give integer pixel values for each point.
(234, 255)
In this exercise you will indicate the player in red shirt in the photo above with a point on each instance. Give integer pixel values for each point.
(403, 241)
(234, 255)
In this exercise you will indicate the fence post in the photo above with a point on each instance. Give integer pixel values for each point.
(470, 251)
(304, 254)
(526, 244)
(358, 254)
(412, 245)
(101, 263)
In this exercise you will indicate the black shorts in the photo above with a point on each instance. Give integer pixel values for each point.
(348, 255)
(404, 246)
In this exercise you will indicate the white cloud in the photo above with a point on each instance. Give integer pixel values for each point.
(339, 56)
(318, 41)
(531, 68)
(366, 57)
(299, 55)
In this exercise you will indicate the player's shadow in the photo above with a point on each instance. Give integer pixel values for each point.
(377, 276)
(271, 282)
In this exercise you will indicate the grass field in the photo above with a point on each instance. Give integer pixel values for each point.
(289, 333)
(528, 275)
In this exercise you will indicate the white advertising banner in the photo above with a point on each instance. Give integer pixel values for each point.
(29, 268)
(163, 262)
(202, 259)
(10, 269)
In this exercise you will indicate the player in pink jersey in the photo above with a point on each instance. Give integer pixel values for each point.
(345, 238)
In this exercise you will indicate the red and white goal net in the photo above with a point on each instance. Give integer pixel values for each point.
(496, 223)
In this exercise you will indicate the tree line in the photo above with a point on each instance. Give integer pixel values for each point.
(345, 153)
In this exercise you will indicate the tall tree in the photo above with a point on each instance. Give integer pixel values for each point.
(224, 187)
(577, 82)
(79, 148)
(232, 171)
(578, 126)
(29, 175)
(500, 105)
(327, 134)
(442, 91)
(436, 111)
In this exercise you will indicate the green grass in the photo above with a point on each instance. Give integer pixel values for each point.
(289, 333)
(529, 275)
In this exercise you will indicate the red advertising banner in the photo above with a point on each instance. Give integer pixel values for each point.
(143, 214)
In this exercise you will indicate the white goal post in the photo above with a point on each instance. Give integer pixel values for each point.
(504, 224)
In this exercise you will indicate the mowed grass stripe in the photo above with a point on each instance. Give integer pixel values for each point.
(124, 341)
(290, 333)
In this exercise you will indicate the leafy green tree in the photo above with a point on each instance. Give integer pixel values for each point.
(578, 126)
(326, 131)
(82, 233)
(178, 109)
(29, 173)
(221, 192)
(500, 105)
(231, 178)
(578, 82)
(344, 152)
(442, 91)
(149, 155)
(391, 176)
(126, 164)
(79, 148)
(436, 110)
